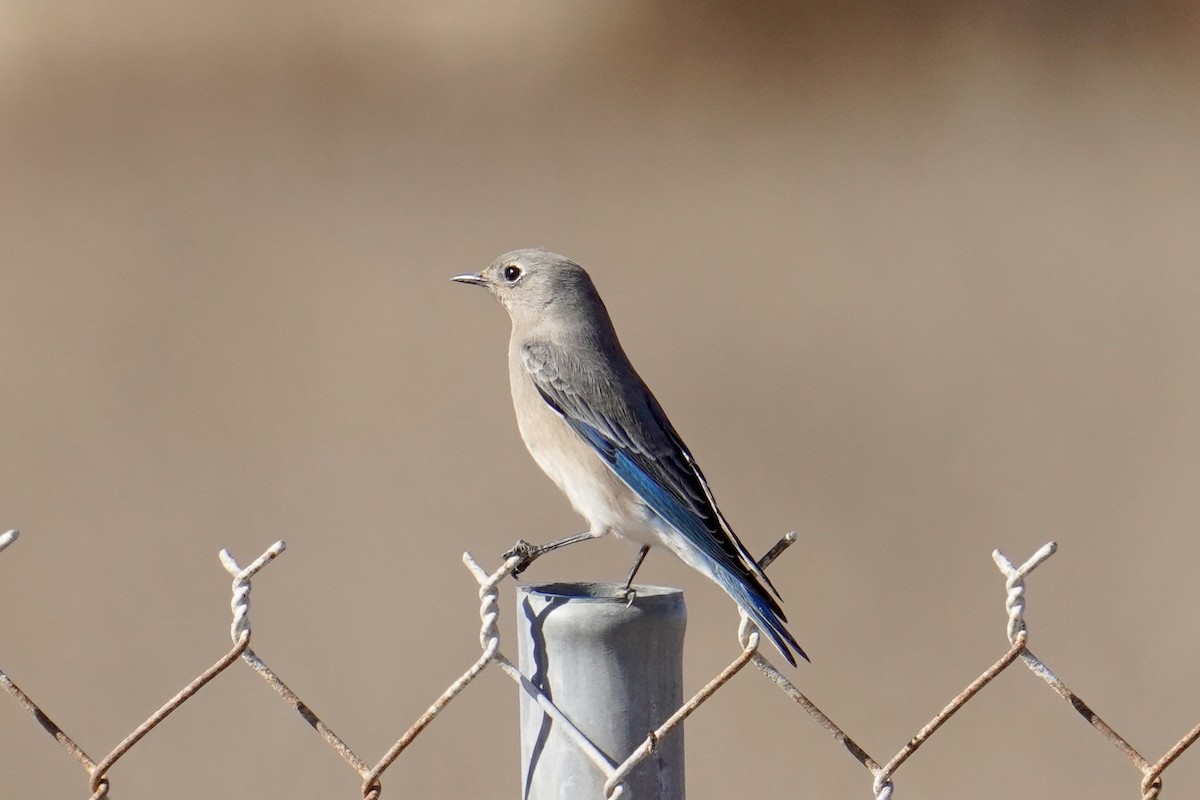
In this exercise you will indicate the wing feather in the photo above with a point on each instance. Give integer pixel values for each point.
(629, 430)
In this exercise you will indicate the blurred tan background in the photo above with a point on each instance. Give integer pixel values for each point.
(918, 280)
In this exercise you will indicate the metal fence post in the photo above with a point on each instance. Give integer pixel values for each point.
(615, 669)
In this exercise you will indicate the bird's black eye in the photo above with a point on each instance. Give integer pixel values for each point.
(511, 273)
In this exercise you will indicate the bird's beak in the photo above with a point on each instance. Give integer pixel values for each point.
(473, 278)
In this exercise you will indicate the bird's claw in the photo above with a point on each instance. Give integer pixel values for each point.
(527, 553)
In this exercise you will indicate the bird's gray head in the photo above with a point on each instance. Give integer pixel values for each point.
(534, 283)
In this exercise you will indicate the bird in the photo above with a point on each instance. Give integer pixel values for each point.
(594, 427)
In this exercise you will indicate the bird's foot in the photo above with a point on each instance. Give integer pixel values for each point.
(527, 552)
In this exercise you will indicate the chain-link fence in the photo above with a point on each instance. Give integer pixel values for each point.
(613, 769)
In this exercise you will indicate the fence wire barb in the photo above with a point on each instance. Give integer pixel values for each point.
(614, 772)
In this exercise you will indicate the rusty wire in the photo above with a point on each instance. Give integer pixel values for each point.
(882, 786)
(98, 781)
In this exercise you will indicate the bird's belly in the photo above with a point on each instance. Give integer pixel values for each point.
(592, 488)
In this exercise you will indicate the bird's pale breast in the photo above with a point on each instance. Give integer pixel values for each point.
(592, 488)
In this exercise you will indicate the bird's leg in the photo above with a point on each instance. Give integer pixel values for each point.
(531, 552)
(627, 587)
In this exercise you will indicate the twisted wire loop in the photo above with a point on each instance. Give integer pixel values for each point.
(489, 641)
(240, 605)
(1015, 604)
(882, 786)
(241, 639)
(98, 782)
(1014, 584)
(1151, 784)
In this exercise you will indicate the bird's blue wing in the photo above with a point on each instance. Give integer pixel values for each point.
(630, 432)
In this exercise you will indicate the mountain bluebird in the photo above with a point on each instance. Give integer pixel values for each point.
(592, 425)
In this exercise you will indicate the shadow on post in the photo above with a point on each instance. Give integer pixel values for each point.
(616, 670)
